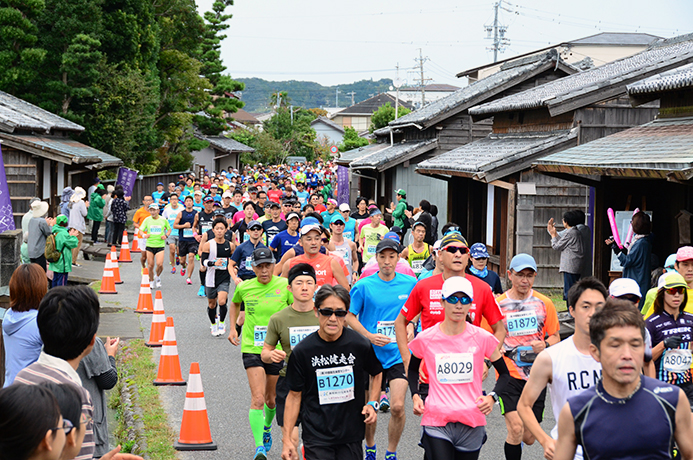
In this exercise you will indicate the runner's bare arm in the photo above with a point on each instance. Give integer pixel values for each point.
(291, 408)
(684, 426)
(539, 377)
(404, 254)
(499, 331)
(373, 395)
(567, 442)
(270, 354)
(402, 339)
(338, 274)
(233, 335)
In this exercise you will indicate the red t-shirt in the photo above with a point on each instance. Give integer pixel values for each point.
(275, 195)
(320, 208)
(321, 263)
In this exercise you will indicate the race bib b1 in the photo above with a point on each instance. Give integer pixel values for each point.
(296, 334)
(259, 335)
(335, 385)
(387, 328)
(455, 368)
(522, 323)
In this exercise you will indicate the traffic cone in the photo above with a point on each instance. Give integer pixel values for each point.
(107, 279)
(169, 363)
(125, 249)
(156, 334)
(114, 266)
(194, 428)
(144, 302)
(135, 243)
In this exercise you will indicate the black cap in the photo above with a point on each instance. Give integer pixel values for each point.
(262, 256)
(274, 204)
(387, 243)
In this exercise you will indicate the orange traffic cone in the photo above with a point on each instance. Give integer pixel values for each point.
(144, 302)
(107, 279)
(125, 248)
(114, 265)
(135, 242)
(194, 428)
(156, 335)
(169, 363)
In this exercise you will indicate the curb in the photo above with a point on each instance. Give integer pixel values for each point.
(132, 415)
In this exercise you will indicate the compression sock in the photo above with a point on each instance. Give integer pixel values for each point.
(256, 419)
(202, 277)
(223, 309)
(212, 313)
(513, 451)
(238, 329)
(269, 415)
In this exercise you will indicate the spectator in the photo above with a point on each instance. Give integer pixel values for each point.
(586, 235)
(434, 221)
(39, 230)
(65, 201)
(95, 213)
(64, 239)
(398, 210)
(119, 208)
(70, 405)
(569, 242)
(425, 217)
(108, 215)
(78, 211)
(26, 218)
(20, 333)
(93, 186)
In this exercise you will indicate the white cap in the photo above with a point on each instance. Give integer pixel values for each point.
(344, 207)
(624, 286)
(457, 284)
(227, 194)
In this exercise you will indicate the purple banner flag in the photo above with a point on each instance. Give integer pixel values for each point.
(6, 217)
(342, 184)
(127, 178)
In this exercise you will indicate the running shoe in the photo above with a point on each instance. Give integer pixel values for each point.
(158, 282)
(384, 403)
(267, 438)
(177, 260)
(390, 455)
(370, 453)
(201, 291)
(260, 453)
(152, 285)
(197, 257)
(214, 329)
(222, 331)
(182, 271)
(173, 270)
(188, 281)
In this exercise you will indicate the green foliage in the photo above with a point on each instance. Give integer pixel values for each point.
(351, 140)
(385, 114)
(20, 57)
(294, 132)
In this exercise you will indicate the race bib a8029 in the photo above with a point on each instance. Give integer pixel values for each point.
(259, 335)
(522, 323)
(296, 334)
(387, 328)
(455, 368)
(677, 360)
(335, 385)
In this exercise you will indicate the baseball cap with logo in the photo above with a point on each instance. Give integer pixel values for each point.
(292, 215)
(387, 243)
(401, 192)
(254, 224)
(672, 280)
(310, 223)
(153, 206)
(337, 218)
(391, 236)
(453, 238)
(262, 256)
(456, 284)
(208, 199)
(670, 262)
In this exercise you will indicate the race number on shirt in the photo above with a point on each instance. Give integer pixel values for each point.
(387, 328)
(371, 250)
(455, 368)
(249, 263)
(522, 323)
(677, 360)
(187, 233)
(259, 337)
(155, 230)
(417, 266)
(296, 334)
(335, 385)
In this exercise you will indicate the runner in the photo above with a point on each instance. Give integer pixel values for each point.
(186, 223)
(263, 296)
(453, 353)
(241, 226)
(155, 229)
(567, 367)
(275, 224)
(532, 326)
(288, 327)
(326, 380)
(242, 263)
(204, 221)
(349, 223)
(608, 420)
(286, 239)
(137, 219)
(371, 234)
(417, 252)
(170, 214)
(377, 300)
(343, 248)
(216, 254)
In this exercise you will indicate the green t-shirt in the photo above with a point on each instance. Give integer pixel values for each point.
(372, 236)
(261, 302)
(155, 228)
(288, 327)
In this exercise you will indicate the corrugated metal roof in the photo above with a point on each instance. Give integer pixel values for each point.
(225, 144)
(345, 158)
(399, 152)
(497, 155)
(72, 151)
(666, 81)
(662, 55)
(16, 113)
(658, 149)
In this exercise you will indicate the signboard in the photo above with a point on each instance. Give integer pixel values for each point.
(342, 184)
(334, 150)
(6, 217)
(127, 178)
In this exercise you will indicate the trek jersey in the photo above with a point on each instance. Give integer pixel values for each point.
(155, 228)
(330, 377)
(186, 234)
(372, 236)
(674, 366)
(533, 318)
(289, 327)
(204, 222)
(377, 304)
(639, 428)
(417, 259)
(261, 302)
(649, 309)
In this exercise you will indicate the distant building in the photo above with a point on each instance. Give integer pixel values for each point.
(433, 92)
(222, 153)
(328, 129)
(245, 118)
(358, 116)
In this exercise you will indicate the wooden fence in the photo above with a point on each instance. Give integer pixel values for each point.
(145, 185)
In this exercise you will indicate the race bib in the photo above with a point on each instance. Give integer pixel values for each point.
(206, 226)
(187, 233)
(522, 323)
(296, 334)
(335, 385)
(224, 264)
(417, 266)
(677, 360)
(246, 237)
(348, 236)
(455, 368)
(155, 230)
(371, 250)
(249, 263)
(259, 337)
(387, 328)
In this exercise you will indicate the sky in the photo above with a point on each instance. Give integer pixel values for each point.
(332, 42)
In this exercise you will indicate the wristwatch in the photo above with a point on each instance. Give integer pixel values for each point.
(494, 396)
(374, 404)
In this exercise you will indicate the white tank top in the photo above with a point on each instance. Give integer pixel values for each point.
(573, 372)
(344, 251)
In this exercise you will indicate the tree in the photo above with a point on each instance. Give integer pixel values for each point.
(384, 115)
(20, 57)
(351, 140)
(318, 112)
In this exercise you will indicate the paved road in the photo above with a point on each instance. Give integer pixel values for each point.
(226, 386)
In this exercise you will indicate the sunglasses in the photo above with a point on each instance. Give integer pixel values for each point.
(329, 312)
(325, 240)
(67, 427)
(676, 290)
(453, 299)
(339, 222)
(630, 298)
(455, 249)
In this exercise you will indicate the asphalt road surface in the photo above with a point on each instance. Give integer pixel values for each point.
(226, 387)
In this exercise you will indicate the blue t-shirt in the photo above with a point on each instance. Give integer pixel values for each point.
(327, 218)
(282, 242)
(303, 197)
(350, 230)
(377, 312)
(157, 196)
(243, 256)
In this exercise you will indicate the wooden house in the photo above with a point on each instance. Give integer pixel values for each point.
(41, 157)
(498, 198)
(221, 153)
(358, 116)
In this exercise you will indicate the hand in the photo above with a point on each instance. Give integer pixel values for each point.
(407, 213)
(289, 451)
(538, 346)
(219, 262)
(379, 340)
(115, 455)
(609, 241)
(418, 405)
(551, 228)
(410, 332)
(485, 404)
(163, 236)
(111, 345)
(238, 281)
(370, 413)
(233, 337)
(278, 355)
(549, 448)
(73, 232)
(127, 198)
(673, 341)
(86, 203)
(50, 221)
(197, 237)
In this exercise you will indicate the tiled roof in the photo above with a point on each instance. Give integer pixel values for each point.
(398, 153)
(432, 87)
(226, 144)
(479, 91)
(244, 117)
(594, 85)
(345, 158)
(659, 149)
(372, 104)
(617, 38)
(667, 81)
(329, 123)
(16, 114)
(497, 155)
(71, 151)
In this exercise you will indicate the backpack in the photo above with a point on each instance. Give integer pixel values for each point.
(52, 254)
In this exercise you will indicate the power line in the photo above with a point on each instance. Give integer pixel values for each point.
(497, 32)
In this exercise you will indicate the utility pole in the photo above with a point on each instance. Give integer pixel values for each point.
(422, 80)
(336, 95)
(498, 30)
(352, 97)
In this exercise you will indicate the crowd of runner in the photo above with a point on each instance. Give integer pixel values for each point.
(340, 313)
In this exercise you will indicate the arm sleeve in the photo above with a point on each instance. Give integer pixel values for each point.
(413, 375)
(205, 260)
(108, 379)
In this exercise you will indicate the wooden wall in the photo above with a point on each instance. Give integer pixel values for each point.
(459, 130)
(606, 118)
(22, 180)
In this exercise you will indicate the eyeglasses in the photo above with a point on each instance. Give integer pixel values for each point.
(454, 249)
(67, 427)
(675, 290)
(329, 312)
(528, 276)
(453, 299)
(630, 298)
